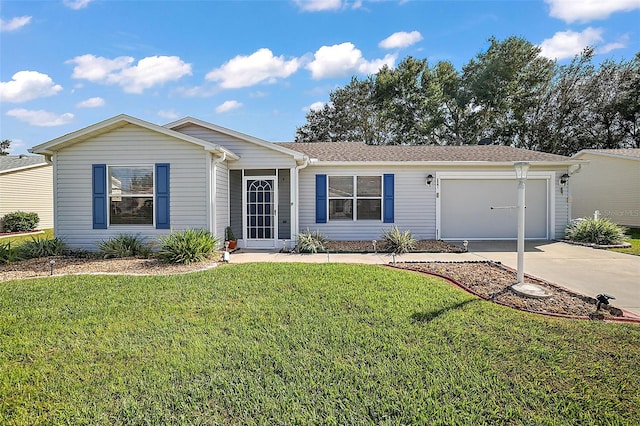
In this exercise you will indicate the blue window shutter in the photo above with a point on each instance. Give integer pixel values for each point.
(321, 198)
(99, 192)
(163, 220)
(387, 191)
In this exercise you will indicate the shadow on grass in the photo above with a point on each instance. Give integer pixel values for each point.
(429, 316)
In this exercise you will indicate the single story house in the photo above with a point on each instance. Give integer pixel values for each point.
(26, 184)
(126, 175)
(610, 183)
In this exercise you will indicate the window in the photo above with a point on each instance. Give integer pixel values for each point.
(130, 192)
(358, 197)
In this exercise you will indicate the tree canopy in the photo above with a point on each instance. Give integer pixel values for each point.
(509, 93)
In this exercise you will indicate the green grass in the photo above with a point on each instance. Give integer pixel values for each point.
(634, 240)
(47, 234)
(301, 344)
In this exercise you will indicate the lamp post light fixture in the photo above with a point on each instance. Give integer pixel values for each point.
(522, 168)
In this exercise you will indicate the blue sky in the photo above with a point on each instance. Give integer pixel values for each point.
(254, 66)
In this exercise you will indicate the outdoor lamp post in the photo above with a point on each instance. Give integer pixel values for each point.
(521, 174)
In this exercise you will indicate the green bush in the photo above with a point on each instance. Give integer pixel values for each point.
(190, 245)
(41, 247)
(398, 242)
(311, 242)
(20, 221)
(8, 254)
(124, 245)
(596, 231)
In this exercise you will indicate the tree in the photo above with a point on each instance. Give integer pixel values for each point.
(506, 83)
(350, 115)
(4, 147)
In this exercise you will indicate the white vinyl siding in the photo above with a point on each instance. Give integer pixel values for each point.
(136, 145)
(252, 156)
(609, 184)
(28, 190)
(415, 201)
(414, 204)
(221, 200)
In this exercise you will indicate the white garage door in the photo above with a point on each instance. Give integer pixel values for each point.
(480, 209)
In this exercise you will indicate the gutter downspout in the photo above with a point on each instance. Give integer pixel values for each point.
(214, 191)
(296, 210)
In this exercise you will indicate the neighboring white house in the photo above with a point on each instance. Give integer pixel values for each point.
(610, 183)
(26, 184)
(126, 175)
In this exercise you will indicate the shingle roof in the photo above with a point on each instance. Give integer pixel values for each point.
(624, 152)
(11, 162)
(355, 151)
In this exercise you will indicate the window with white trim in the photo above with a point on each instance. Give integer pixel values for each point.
(355, 197)
(130, 190)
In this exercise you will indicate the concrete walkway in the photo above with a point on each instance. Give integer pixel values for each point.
(582, 269)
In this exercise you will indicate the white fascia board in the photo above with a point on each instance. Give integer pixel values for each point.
(603, 154)
(49, 148)
(565, 163)
(239, 135)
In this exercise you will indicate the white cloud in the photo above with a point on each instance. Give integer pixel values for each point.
(400, 40)
(91, 103)
(14, 23)
(316, 106)
(567, 44)
(260, 66)
(228, 106)
(41, 118)
(343, 59)
(77, 4)
(149, 72)
(168, 114)
(589, 10)
(610, 47)
(27, 85)
(319, 5)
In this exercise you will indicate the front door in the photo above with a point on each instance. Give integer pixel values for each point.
(260, 215)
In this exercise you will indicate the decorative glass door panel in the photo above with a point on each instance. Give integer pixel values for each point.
(260, 217)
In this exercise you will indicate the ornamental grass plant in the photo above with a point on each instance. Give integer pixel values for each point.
(599, 231)
(188, 246)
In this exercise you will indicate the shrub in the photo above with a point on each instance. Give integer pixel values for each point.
(8, 254)
(124, 245)
(41, 247)
(398, 242)
(311, 242)
(190, 245)
(20, 221)
(596, 231)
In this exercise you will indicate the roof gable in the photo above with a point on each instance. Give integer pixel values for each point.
(176, 125)
(116, 122)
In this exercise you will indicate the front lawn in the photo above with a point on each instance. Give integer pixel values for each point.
(19, 239)
(634, 240)
(301, 343)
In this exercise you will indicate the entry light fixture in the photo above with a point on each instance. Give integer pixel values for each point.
(429, 179)
(563, 182)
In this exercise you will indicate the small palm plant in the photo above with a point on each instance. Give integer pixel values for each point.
(397, 241)
(311, 242)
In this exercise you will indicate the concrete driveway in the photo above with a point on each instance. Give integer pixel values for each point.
(582, 269)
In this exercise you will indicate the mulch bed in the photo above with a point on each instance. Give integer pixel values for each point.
(492, 281)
